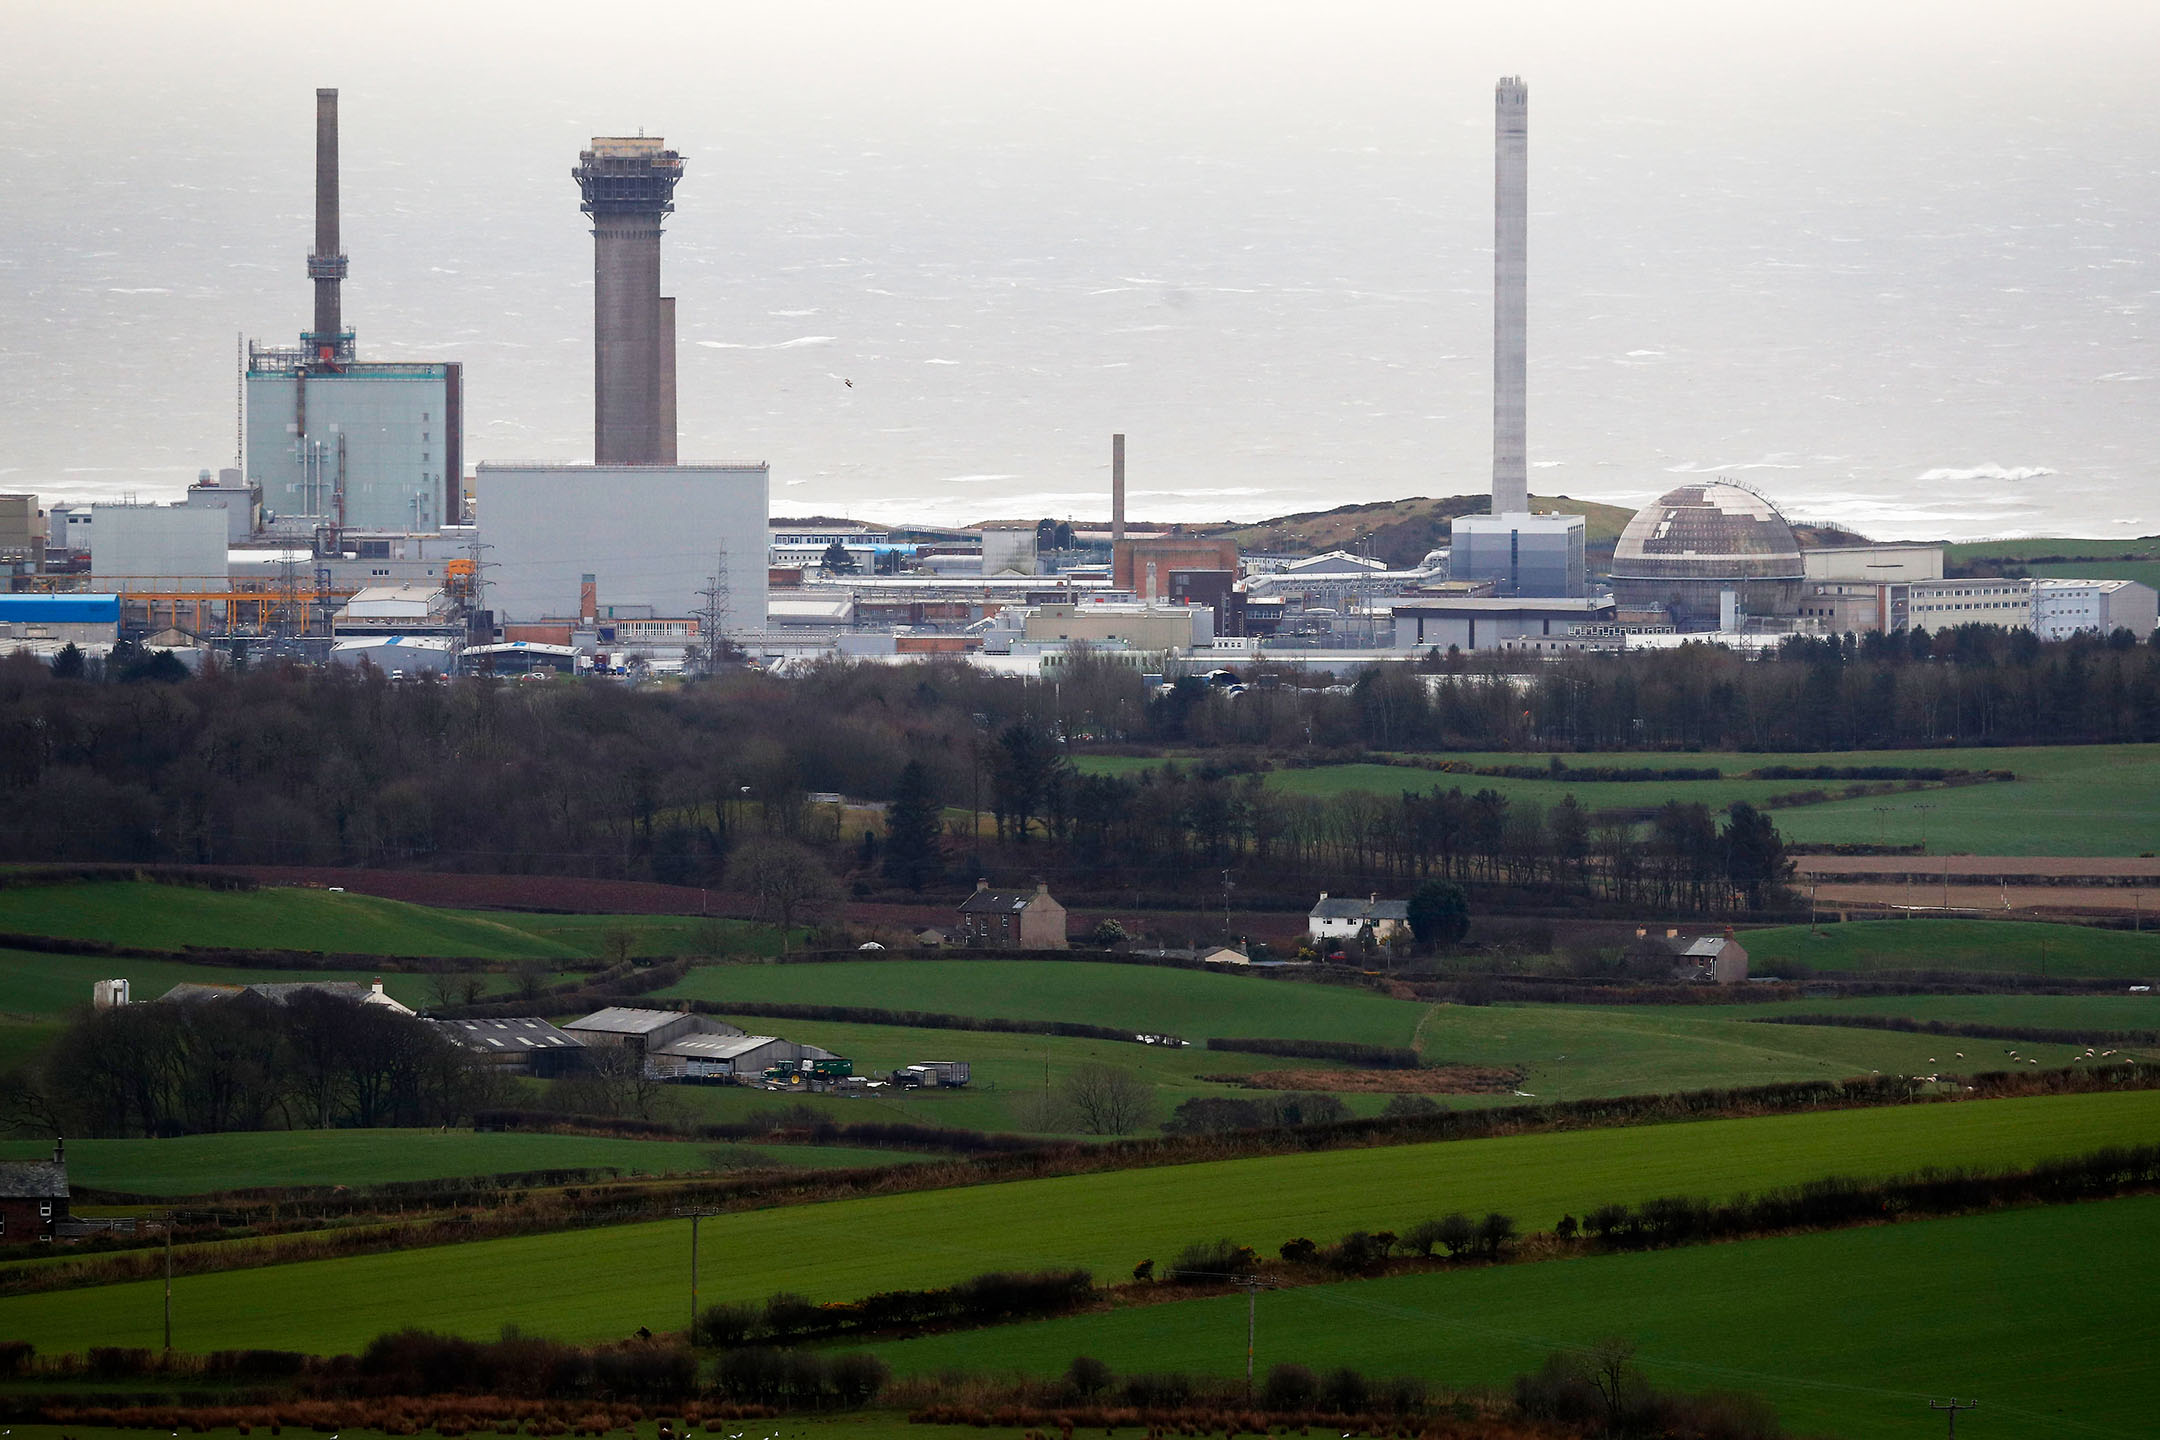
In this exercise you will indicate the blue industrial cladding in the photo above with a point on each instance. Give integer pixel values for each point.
(59, 609)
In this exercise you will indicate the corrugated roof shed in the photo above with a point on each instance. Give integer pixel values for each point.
(501, 1036)
(717, 1047)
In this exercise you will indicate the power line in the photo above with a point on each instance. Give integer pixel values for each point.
(1952, 1407)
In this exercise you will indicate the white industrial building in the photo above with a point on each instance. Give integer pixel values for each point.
(1873, 564)
(1983, 600)
(180, 547)
(2062, 608)
(645, 535)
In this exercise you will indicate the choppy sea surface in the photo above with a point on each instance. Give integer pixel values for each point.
(1918, 314)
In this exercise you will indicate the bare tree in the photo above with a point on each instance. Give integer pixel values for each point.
(790, 884)
(1104, 1100)
(1612, 1371)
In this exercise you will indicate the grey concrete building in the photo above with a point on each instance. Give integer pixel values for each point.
(629, 186)
(649, 536)
(1511, 300)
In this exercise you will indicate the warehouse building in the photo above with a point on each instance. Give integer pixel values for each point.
(521, 1046)
(1490, 623)
(644, 1031)
(61, 619)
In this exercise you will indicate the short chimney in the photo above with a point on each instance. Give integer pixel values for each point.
(588, 598)
(1641, 934)
(1042, 888)
(1672, 934)
(981, 885)
(378, 984)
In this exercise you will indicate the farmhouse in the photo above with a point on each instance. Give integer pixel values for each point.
(1013, 919)
(33, 1198)
(1341, 917)
(1702, 959)
(531, 1047)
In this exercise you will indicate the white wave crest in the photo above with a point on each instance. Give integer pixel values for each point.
(1987, 472)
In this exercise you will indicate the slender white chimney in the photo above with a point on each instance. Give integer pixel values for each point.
(1511, 305)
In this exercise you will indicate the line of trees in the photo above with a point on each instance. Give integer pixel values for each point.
(285, 766)
(313, 1059)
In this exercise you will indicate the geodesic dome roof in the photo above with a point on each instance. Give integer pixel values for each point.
(1708, 532)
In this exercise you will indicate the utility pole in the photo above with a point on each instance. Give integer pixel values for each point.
(1952, 1408)
(1226, 887)
(694, 1216)
(1252, 1285)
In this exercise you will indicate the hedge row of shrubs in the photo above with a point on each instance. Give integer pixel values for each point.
(1377, 1057)
(1960, 1029)
(1225, 1114)
(1832, 1203)
(1874, 772)
(995, 1298)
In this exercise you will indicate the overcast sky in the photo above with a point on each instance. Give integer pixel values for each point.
(1697, 166)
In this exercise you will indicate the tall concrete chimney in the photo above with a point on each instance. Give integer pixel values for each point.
(1511, 264)
(326, 266)
(1117, 490)
(629, 188)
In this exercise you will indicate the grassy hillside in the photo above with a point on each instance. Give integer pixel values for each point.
(201, 1164)
(168, 917)
(1401, 531)
(1141, 998)
(627, 1276)
(2067, 799)
(1999, 946)
(2069, 549)
(1847, 1333)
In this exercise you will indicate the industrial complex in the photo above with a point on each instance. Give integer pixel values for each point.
(351, 529)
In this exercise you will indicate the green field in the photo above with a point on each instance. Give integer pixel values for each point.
(2145, 572)
(631, 1275)
(590, 935)
(2067, 799)
(202, 1164)
(1142, 998)
(1848, 1332)
(169, 917)
(2021, 947)
(2045, 1012)
(2045, 545)
(1572, 1052)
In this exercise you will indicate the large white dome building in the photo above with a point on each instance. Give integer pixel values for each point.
(1683, 552)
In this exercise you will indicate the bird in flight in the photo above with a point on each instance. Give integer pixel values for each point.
(849, 383)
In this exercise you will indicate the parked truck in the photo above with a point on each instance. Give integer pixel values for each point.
(933, 1074)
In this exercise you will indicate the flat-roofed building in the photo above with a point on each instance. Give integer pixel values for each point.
(2063, 608)
(1983, 600)
(1486, 623)
(1873, 564)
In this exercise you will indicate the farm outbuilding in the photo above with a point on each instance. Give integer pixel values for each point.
(645, 1031)
(529, 1045)
(718, 1057)
(33, 1198)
